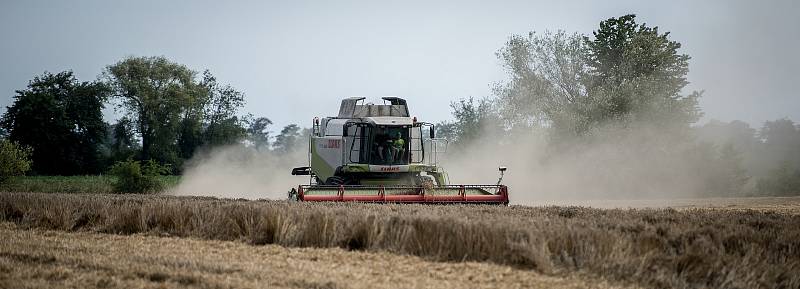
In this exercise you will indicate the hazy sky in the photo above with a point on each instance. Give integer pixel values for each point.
(295, 60)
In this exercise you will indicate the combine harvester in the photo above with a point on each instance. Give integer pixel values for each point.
(379, 154)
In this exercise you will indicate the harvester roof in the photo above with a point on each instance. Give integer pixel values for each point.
(353, 107)
(390, 120)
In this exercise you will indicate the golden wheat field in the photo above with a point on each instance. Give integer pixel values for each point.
(125, 241)
(41, 259)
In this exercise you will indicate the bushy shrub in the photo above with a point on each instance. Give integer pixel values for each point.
(14, 160)
(135, 177)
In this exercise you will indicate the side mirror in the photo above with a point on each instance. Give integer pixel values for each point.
(433, 132)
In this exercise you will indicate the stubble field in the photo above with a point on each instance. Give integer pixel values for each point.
(160, 241)
(45, 259)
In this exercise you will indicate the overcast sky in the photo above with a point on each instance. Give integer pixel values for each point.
(295, 60)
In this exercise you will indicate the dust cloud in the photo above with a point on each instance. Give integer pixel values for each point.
(238, 171)
(622, 164)
(617, 165)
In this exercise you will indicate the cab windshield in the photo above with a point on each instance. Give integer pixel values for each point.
(390, 146)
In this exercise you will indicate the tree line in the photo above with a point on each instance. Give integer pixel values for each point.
(169, 112)
(623, 85)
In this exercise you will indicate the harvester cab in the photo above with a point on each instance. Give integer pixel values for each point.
(380, 153)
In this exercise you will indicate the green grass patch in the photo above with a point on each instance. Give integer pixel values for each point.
(100, 184)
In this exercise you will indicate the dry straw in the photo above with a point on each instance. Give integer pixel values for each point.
(661, 248)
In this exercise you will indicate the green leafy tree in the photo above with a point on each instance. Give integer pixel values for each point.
(545, 86)
(781, 142)
(288, 140)
(173, 112)
(14, 160)
(121, 141)
(626, 74)
(779, 155)
(190, 136)
(61, 119)
(638, 74)
(258, 132)
(123, 135)
(742, 138)
(223, 102)
(737, 133)
(474, 120)
(784, 180)
(158, 95)
(724, 175)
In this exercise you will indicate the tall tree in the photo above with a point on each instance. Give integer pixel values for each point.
(288, 140)
(626, 74)
(545, 87)
(156, 94)
(737, 133)
(61, 119)
(741, 137)
(223, 102)
(474, 120)
(723, 173)
(781, 142)
(639, 74)
(258, 132)
(122, 143)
